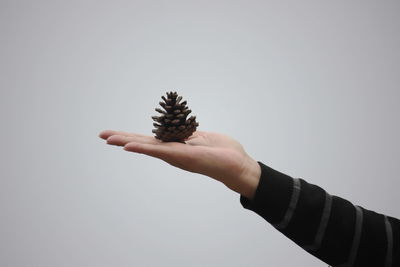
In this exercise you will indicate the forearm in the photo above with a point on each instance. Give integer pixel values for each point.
(329, 227)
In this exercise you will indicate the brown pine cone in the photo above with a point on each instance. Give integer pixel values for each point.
(173, 125)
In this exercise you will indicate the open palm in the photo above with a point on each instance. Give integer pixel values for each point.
(212, 154)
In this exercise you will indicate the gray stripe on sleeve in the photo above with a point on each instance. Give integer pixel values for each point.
(356, 238)
(389, 235)
(292, 205)
(322, 225)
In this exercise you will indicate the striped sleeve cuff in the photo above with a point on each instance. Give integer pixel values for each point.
(272, 196)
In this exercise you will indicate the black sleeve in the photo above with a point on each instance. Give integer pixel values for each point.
(328, 227)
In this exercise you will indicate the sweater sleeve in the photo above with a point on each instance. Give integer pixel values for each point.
(328, 227)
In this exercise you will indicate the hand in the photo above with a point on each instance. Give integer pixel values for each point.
(215, 155)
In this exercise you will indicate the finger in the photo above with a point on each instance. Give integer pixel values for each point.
(165, 151)
(121, 140)
(107, 133)
(196, 134)
(195, 137)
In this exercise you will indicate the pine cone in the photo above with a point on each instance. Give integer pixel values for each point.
(173, 125)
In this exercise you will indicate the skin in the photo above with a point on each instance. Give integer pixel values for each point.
(212, 154)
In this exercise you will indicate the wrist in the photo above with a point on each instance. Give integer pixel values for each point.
(246, 182)
(251, 178)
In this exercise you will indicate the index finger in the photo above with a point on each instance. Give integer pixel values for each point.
(107, 133)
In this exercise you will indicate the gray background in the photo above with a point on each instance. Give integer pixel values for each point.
(310, 88)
